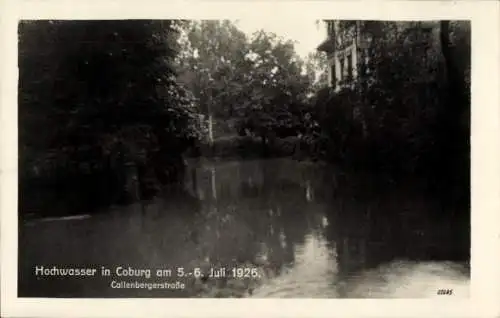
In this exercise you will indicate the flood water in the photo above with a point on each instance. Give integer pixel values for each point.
(287, 228)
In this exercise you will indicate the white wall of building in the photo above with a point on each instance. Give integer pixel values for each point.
(352, 50)
(336, 59)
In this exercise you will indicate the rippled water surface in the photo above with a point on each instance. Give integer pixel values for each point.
(305, 230)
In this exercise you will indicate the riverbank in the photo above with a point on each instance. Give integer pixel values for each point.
(239, 149)
(247, 147)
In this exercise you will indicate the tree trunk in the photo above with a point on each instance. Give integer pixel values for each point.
(457, 87)
(454, 144)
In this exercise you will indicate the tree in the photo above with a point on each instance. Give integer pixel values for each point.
(454, 117)
(211, 65)
(405, 93)
(396, 118)
(317, 70)
(105, 93)
(259, 82)
(277, 88)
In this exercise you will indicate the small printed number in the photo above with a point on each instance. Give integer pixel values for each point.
(445, 292)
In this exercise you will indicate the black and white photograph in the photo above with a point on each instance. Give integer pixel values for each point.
(181, 158)
(237, 159)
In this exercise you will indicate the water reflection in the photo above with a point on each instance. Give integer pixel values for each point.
(310, 230)
(312, 274)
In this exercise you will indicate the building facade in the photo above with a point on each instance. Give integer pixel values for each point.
(344, 47)
(349, 47)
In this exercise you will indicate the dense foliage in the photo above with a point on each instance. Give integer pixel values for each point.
(408, 114)
(255, 84)
(95, 97)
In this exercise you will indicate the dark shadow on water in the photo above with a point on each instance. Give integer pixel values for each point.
(378, 222)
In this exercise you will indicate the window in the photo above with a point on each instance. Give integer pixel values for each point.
(363, 69)
(333, 79)
(341, 61)
(366, 64)
(371, 52)
(371, 56)
(349, 66)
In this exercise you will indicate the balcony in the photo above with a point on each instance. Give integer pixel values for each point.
(327, 46)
